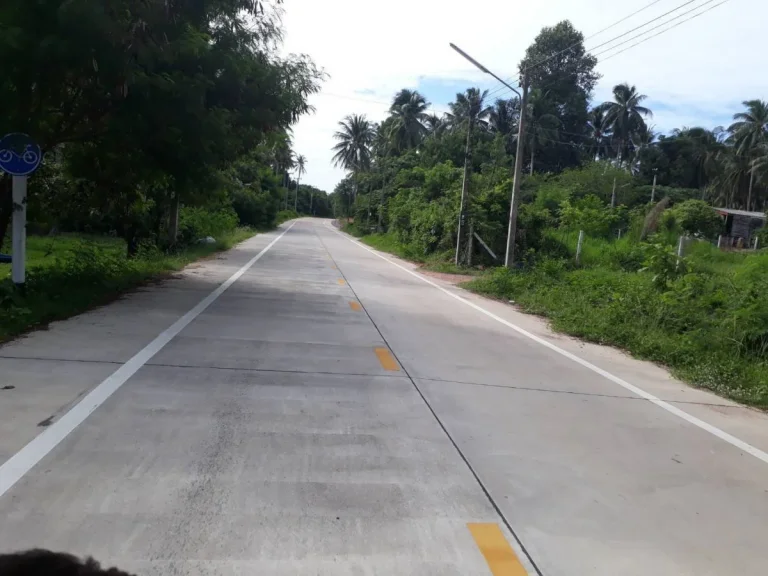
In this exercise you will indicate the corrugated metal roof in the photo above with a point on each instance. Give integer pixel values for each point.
(735, 212)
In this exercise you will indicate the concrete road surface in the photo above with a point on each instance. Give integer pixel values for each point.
(303, 405)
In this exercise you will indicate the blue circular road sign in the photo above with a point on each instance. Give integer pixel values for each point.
(19, 155)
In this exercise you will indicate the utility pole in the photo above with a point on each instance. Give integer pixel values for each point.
(653, 190)
(296, 197)
(464, 191)
(509, 259)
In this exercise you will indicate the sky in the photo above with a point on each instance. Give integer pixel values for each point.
(697, 74)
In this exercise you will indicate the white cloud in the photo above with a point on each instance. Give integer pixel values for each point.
(700, 70)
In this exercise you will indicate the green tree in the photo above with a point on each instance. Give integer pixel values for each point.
(503, 119)
(353, 149)
(408, 113)
(625, 115)
(750, 129)
(697, 218)
(599, 134)
(543, 123)
(558, 64)
(301, 167)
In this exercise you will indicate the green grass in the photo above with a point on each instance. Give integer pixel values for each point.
(69, 274)
(710, 329)
(439, 262)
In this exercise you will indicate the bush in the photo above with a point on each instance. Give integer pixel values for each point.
(589, 214)
(285, 215)
(696, 218)
(196, 223)
(255, 208)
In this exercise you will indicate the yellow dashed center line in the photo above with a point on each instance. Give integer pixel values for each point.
(499, 555)
(355, 306)
(341, 281)
(386, 359)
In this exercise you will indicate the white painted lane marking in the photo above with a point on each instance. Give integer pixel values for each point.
(22, 462)
(714, 430)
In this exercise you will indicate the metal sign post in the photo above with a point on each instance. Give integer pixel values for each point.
(20, 156)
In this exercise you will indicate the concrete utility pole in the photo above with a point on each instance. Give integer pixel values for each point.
(509, 259)
(653, 190)
(464, 192)
(512, 230)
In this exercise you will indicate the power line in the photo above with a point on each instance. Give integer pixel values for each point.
(662, 32)
(654, 35)
(656, 27)
(678, 7)
(683, 5)
(624, 19)
(598, 33)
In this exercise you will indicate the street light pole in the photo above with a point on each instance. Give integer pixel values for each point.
(509, 259)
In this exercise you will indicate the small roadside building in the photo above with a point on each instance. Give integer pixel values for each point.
(740, 225)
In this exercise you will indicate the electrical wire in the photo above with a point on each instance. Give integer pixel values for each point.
(504, 92)
(503, 89)
(662, 32)
(659, 26)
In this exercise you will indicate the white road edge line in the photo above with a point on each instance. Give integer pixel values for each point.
(714, 430)
(25, 459)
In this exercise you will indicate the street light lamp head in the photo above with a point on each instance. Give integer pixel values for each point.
(481, 67)
(468, 57)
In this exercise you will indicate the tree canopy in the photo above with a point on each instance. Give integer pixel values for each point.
(142, 106)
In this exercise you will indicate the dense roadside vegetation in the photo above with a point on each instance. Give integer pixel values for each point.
(162, 124)
(589, 166)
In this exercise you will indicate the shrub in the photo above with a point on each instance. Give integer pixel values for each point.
(696, 217)
(196, 223)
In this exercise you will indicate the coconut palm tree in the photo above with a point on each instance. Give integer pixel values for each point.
(706, 146)
(301, 165)
(435, 124)
(542, 123)
(353, 150)
(503, 120)
(599, 132)
(750, 129)
(408, 112)
(468, 111)
(644, 137)
(625, 115)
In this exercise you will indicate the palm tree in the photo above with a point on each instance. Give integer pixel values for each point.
(749, 135)
(543, 124)
(644, 137)
(435, 124)
(750, 129)
(503, 120)
(408, 111)
(599, 132)
(706, 146)
(301, 165)
(468, 110)
(625, 115)
(353, 150)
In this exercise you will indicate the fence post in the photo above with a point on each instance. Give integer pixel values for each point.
(757, 242)
(719, 240)
(579, 245)
(680, 246)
